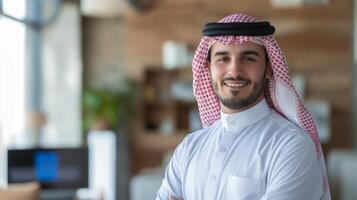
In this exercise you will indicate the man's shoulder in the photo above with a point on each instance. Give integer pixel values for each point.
(201, 135)
(282, 123)
(285, 129)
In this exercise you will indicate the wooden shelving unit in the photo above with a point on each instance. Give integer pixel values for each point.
(165, 108)
(166, 101)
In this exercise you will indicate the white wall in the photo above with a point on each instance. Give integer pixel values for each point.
(62, 78)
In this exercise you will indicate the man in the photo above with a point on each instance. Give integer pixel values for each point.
(258, 140)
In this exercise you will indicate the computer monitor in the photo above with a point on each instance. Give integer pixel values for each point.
(53, 168)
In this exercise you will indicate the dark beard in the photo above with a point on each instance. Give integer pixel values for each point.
(237, 104)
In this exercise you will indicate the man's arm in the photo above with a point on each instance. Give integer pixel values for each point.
(295, 173)
(171, 187)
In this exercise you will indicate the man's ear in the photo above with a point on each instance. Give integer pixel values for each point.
(268, 71)
(208, 64)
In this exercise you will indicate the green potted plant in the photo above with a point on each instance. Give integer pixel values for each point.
(105, 109)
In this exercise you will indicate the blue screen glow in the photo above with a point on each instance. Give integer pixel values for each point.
(46, 166)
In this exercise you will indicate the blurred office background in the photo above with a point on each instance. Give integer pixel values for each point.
(96, 94)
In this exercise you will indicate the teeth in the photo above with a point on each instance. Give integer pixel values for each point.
(235, 84)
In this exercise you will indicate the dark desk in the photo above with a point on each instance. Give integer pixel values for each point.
(68, 194)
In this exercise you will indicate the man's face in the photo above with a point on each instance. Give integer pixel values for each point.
(238, 73)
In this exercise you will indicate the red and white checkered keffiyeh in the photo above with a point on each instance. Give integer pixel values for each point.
(280, 92)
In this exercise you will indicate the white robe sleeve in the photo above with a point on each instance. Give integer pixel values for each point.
(295, 174)
(172, 183)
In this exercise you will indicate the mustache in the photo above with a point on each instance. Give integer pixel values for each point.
(238, 78)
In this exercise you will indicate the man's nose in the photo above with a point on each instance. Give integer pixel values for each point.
(234, 68)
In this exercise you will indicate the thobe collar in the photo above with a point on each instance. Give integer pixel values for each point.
(232, 122)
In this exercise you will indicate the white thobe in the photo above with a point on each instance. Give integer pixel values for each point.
(251, 155)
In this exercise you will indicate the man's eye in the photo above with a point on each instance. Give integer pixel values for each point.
(223, 59)
(249, 59)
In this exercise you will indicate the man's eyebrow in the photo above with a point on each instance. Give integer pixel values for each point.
(243, 53)
(250, 52)
(221, 53)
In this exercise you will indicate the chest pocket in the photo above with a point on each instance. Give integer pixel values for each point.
(243, 188)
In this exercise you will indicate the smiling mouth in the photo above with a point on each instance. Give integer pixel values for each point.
(235, 84)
